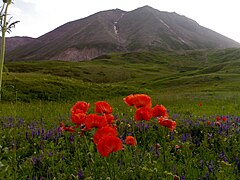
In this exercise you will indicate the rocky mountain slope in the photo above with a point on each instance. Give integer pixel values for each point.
(115, 30)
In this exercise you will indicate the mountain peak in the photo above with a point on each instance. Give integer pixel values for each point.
(116, 30)
(146, 7)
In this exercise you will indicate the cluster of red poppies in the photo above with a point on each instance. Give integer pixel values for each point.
(106, 136)
(217, 122)
(144, 110)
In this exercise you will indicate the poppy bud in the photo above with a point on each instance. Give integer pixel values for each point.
(176, 177)
(157, 145)
(217, 123)
(130, 140)
(178, 147)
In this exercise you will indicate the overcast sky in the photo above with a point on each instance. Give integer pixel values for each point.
(38, 17)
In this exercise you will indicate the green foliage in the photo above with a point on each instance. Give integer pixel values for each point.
(39, 95)
(6, 26)
(31, 87)
(33, 147)
(121, 74)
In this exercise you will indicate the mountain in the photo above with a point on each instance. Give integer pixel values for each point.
(17, 41)
(115, 30)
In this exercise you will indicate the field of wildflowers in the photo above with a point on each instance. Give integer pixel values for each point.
(146, 141)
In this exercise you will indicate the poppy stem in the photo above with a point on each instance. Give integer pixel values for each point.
(164, 144)
(108, 168)
(87, 152)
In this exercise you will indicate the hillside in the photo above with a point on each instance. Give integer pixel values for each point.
(17, 41)
(115, 30)
(119, 74)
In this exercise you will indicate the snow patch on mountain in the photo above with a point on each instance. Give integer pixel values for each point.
(165, 24)
(115, 25)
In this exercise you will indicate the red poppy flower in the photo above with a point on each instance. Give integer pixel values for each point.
(218, 118)
(159, 110)
(110, 118)
(94, 120)
(224, 118)
(208, 122)
(143, 113)
(66, 128)
(80, 107)
(78, 118)
(170, 124)
(105, 131)
(200, 104)
(142, 100)
(109, 144)
(129, 100)
(130, 140)
(138, 100)
(102, 107)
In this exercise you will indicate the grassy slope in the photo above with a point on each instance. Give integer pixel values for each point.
(117, 75)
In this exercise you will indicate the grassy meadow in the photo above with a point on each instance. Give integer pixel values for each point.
(196, 87)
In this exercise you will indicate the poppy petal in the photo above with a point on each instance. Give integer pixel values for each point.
(130, 140)
(78, 118)
(102, 107)
(94, 120)
(109, 144)
(143, 113)
(80, 106)
(105, 131)
(159, 110)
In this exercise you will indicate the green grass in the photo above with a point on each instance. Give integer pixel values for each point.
(173, 78)
(37, 96)
(32, 147)
(110, 75)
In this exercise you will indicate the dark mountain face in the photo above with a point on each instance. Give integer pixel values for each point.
(17, 41)
(119, 31)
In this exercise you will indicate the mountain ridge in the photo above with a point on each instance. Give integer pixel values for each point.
(115, 30)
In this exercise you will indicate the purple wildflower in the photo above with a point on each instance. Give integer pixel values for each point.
(80, 175)
(33, 134)
(223, 157)
(183, 177)
(71, 138)
(184, 138)
(130, 133)
(154, 150)
(201, 163)
(171, 135)
(210, 135)
(49, 134)
(20, 121)
(211, 167)
(27, 138)
(38, 132)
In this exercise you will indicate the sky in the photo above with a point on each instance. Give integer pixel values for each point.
(38, 17)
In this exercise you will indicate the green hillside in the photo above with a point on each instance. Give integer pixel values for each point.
(117, 75)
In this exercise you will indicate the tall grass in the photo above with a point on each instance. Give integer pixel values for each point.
(38, 98)
(32, 145)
